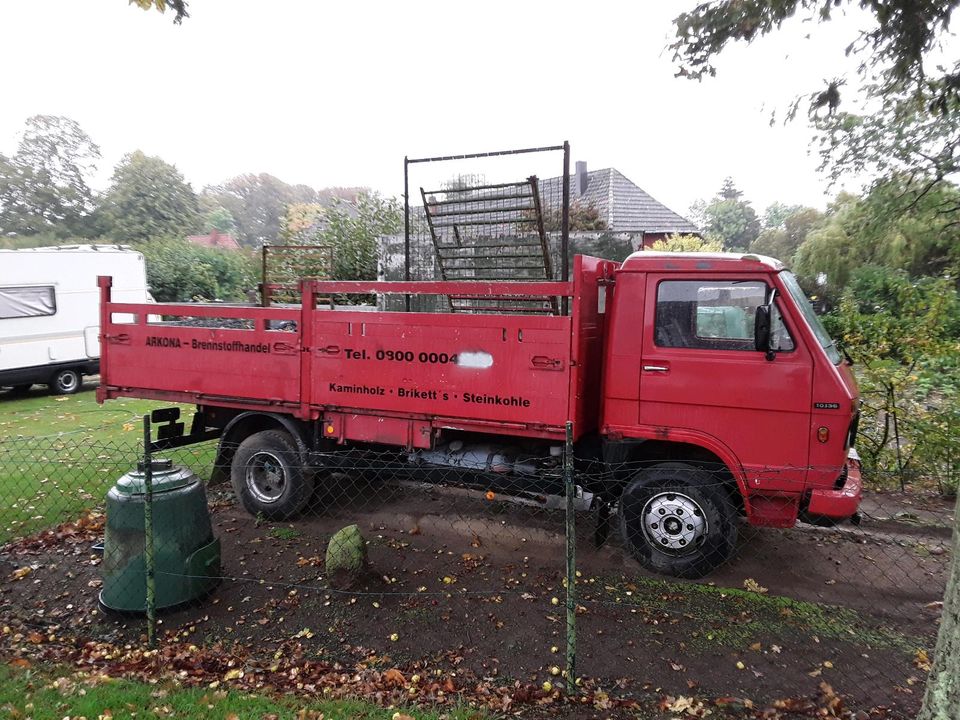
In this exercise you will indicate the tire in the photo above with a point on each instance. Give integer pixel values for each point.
(268, 475)
(66, 382)
(19, 390)
(678, 519)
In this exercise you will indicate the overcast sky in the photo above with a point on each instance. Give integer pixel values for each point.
(330, 93)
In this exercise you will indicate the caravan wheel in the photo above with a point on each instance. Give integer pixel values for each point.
(65, 382)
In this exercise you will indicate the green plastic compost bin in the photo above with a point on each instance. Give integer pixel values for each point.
(186, 555)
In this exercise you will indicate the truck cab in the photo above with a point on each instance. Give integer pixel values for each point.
(723, 387)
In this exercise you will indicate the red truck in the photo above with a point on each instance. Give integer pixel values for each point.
(701, 387)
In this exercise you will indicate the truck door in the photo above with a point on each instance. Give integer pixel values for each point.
(700, 372)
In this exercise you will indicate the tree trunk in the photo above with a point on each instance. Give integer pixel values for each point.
(942, 698)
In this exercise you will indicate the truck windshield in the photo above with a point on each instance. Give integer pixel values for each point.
(823, 337)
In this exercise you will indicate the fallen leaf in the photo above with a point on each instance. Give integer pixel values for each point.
(681, 704)
(394, 677)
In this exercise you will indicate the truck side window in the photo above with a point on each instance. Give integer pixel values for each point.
(712, 314)
(778, 331)
(21, 302)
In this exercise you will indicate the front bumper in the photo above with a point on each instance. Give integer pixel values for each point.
(841, 503)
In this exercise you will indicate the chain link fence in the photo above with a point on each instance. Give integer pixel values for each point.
(442, 579)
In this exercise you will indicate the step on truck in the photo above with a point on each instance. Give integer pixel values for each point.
(702, 388)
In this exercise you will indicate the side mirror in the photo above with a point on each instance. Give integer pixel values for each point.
(761, 331)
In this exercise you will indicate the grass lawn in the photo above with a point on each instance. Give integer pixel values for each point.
(51, 695)
(60, 454)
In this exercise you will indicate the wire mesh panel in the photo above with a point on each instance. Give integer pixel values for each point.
(485, 217)
(437, 577)
(283, 266)
(490, 232)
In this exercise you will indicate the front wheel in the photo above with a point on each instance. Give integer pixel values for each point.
(678, 519)
(268, 475)
(65, 382)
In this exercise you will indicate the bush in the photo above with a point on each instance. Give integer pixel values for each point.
(903, 334)
(178, 270)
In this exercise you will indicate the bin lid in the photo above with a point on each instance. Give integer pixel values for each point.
(165, 476)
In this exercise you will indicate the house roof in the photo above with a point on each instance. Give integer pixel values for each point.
(624, 206)
(219, 240)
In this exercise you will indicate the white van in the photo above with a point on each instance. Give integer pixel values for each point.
(49, 311)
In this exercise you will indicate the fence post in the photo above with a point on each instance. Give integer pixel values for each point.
(571, 543)
(148, 558)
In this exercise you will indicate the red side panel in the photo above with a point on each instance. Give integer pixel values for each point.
(245, 364)
(502, 368)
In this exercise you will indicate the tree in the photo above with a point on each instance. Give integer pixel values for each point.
(583, 217)
(258, 203)
(301, 223)
(785, 229)
(178, 6)
(862, 231)
(906, 118)
(729, 191)
(777, 213)
(898, 49)
(941, 700)
(148, 198)
(219, 219)
(687, 243)
(44, 185)
(353, 231)
(728, 219)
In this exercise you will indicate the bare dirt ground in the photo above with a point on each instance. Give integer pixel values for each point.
(466, 587)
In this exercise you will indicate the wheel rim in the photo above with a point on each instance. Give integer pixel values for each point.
(68, 381)
(674, 523)
(266, 479)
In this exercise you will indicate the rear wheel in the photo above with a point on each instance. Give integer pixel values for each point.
(65, 382)
(678, 519)
(268, 475)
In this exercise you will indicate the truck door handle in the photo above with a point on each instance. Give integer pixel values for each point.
(542, 362)
(656, 368)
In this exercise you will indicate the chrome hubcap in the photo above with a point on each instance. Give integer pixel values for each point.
(68, 381)
(674, 522)
(266, 479)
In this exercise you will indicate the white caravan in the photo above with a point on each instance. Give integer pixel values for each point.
(49, 311)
